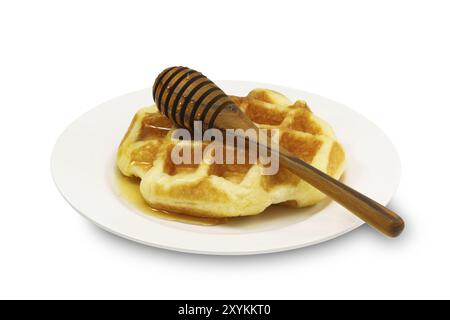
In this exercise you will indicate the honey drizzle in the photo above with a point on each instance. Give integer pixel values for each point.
(128, 189)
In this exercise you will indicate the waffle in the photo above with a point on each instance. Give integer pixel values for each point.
(224, 190)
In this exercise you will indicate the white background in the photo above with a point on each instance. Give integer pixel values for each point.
(389, 60)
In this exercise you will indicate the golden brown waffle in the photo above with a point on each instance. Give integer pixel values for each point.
(224, 190)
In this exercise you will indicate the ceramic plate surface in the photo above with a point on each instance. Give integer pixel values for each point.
(83, 167)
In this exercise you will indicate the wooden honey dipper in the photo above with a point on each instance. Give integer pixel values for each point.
(185, 95)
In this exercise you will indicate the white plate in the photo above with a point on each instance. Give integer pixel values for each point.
(84, 171)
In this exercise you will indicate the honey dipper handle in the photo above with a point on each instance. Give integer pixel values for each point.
(376, 215)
